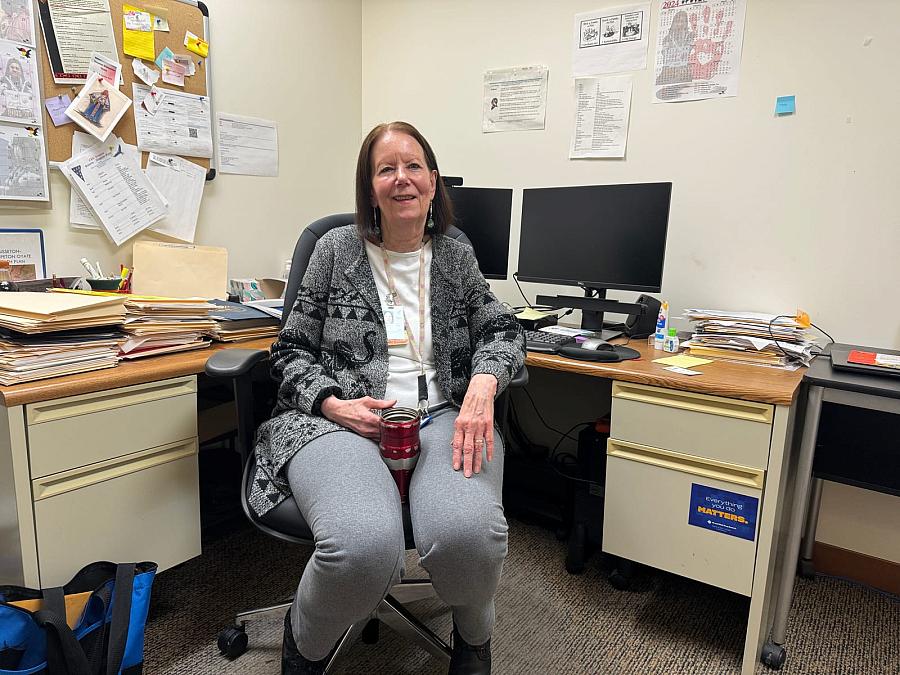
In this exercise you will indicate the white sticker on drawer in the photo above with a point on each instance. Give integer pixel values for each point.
(723, 511)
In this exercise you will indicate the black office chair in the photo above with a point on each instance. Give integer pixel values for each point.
(285, 521)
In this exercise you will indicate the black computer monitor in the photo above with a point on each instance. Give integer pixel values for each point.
(484, 215)
(598, 237)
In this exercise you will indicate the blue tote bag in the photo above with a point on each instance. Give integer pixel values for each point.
(94, 625)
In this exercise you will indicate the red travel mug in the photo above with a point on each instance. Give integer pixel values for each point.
(399, 445)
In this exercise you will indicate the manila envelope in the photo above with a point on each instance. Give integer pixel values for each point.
(179, 270)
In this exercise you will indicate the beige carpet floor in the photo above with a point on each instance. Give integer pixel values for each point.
(548, 621)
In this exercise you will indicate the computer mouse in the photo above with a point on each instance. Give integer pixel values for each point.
(596, 344)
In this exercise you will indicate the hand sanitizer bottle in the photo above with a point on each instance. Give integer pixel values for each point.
(662, 320)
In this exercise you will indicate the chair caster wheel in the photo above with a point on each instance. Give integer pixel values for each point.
(233, 641)
(619, 581)
(806, 569)
(370, 632)
(773, 655)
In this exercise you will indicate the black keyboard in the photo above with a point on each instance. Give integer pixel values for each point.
(549, 343)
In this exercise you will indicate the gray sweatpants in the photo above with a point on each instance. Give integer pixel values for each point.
(351, 503)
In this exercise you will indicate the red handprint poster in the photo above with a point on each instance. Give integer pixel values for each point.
(698, 49)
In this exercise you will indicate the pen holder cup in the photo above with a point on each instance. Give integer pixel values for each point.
(399, 444)
(104, 284)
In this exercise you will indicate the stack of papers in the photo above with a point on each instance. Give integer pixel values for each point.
(28, 358)
(32, 313)
(750, 337)
(157, 325)
(235, 322)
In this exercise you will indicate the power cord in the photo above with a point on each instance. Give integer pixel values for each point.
(793, 357)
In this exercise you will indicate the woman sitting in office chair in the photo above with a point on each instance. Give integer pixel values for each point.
(338, 365)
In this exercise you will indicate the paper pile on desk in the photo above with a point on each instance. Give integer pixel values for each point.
(750, 337)
(160, 325)
(28, 358)
(31, 313)
(235, 322)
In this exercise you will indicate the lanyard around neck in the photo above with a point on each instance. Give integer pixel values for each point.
(392, 295)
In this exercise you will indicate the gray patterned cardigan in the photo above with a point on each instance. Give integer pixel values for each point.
(334, 342)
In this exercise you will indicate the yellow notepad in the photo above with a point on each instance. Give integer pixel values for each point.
(682, 361)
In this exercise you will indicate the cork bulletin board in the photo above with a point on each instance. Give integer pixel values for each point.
(183, 15)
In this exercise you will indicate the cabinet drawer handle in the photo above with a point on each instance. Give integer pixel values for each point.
(676, 461)
(84, 404)
(702, 403)
(74, 479)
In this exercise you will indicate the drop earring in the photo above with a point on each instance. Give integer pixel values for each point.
(375, 224)
(429, 224)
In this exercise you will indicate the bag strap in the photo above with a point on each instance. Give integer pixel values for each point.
(64, 653)
(121, 617)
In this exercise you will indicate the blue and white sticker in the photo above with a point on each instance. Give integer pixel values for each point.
(723, 511)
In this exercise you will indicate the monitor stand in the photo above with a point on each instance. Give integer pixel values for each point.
(593, 305)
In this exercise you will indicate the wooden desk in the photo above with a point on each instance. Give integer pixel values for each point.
(101, 466)
(673, 437)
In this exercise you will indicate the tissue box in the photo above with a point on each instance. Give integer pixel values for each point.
(245, 289)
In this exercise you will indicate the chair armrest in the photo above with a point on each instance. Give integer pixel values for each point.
(520, 379)
(232, 363)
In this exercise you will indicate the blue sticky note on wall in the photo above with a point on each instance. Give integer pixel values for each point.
(785, 105)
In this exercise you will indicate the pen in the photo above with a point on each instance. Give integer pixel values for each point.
(99, 271)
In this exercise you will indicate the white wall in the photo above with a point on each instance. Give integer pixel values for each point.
(309, 83)
(767, 213)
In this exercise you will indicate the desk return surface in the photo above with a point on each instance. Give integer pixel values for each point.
(719, 378)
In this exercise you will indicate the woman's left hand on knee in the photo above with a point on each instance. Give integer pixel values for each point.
(475, 425)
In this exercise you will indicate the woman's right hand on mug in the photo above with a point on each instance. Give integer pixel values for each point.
(356, 414)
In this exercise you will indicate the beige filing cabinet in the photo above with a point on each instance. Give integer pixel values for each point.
(107, 475)
(662, 444)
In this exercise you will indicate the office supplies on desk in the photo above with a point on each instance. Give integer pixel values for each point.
(235, 322)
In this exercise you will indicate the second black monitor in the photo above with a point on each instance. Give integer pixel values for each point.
(484, 215)
(600, 236)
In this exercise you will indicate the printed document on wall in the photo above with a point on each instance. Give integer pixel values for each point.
(117, 191)
(247, 145)
(80, 214)
(698, 49)
(514, 99)
(23, 171)
(611, 40)
(181, 182)
(73, 31)
(602, 106)
(182, 124)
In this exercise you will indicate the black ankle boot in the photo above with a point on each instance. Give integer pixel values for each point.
(466, 659)
(292, 661)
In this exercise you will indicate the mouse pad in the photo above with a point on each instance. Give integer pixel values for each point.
(614, 355)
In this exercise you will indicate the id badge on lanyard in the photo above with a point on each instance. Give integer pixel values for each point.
(395, 324)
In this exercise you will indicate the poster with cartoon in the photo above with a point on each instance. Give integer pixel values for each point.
(17, 21)
(98, 107)
(19, 90)
(23, 169)
(698, 49)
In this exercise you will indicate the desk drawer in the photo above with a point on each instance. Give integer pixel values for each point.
(648, 504)
(722, 429)
(142, 507)
(79, 430)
